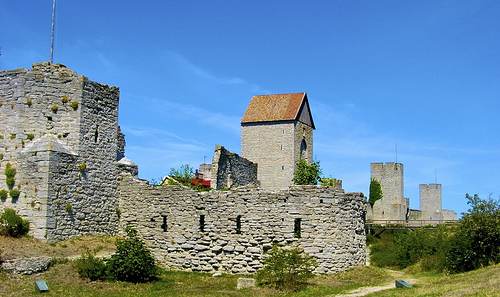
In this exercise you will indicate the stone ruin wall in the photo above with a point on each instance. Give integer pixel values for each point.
(229, 170)
(168, 219)
(46, 146)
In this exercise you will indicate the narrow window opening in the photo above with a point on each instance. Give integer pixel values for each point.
(238, 225)
(96, 133)
(49, 119)
(296, 227)
(281, 146)
(164, 225)
(320, 200)
(202, 223)
(282, 167)
(283, 131)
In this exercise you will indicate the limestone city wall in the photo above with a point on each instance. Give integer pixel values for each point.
(199, 231)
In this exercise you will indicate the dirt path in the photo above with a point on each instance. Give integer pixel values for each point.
(363, 291)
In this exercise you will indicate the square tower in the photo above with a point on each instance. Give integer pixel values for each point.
(393, 205)
(276, 132)
(430, 201)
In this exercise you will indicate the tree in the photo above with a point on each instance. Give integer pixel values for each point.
(375, 192)
(183, 174)
(476, 243)
(306, 174)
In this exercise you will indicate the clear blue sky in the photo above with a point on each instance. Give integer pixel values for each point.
(424, 75)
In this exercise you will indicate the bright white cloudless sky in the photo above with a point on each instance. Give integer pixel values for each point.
(424, 75)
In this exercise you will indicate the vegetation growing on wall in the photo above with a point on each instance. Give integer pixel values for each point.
(306, 174)
(184, 174)
(11, 224)
(375, 191)
(3, 194)
(74, 105)
(10, 176)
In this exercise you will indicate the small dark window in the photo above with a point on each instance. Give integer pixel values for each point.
(202, 223)
(296, 227)
(164, 225)
(96, 133)
(282, 167)
(320, 200)
(49, 119)
(238, 225)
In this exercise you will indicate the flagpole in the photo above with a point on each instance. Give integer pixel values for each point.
(52, 33)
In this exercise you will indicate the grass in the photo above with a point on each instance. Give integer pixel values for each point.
(63, 280)
(484, 282)
(12, 248)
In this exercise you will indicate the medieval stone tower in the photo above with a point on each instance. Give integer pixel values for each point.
(276, 132)
(393, 205)
(430, 201)
(59, 131)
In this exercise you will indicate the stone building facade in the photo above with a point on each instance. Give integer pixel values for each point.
(276, 132)
(229, 231)
(393, 205)
(59, 130)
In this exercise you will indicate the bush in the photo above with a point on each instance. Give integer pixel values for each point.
(74, 105)
(477, 240)
(30, 136)
(286, 268)
(14, 194)
(88, 266)
(54, 107)
(375, 191)
(132, 261)
(10, 176)
(306, 174)
(11, 224)
(3, 194)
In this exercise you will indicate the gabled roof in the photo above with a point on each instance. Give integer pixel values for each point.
(278, 107)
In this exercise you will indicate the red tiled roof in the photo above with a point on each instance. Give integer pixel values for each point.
(275, 107)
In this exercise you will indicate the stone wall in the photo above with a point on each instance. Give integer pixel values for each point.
(52, 120)
(230, 230)
(393, 205)
(230, 170)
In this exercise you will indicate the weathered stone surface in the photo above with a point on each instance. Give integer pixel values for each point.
(27, 265)
(245, 283)
(230, 170)
(54, 123)
(333, 232)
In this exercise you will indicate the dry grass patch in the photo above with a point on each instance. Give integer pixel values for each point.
(28, 247)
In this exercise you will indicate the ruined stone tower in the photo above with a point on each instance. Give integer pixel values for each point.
(393, 205)
(276, 132)
(59, 130)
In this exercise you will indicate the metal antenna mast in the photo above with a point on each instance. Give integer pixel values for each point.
(396, 150)
(53, 29)
(435, 176)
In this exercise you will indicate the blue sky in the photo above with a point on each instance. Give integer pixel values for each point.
(424, 75)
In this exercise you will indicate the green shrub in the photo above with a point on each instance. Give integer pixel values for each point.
(82, 166)
(330, 182)
(69, 208)
(64, 99)
(11, 224)
(29, 102)
(10, 174)
(132, 261)
(477, 240)
(286, 268)
(91, 267)
(375, 191)
(3, 194)
(14, 194)
(30, 136)
(12, 136)
(74, 105)
(54, 107)
(306, 174)
(1, 156)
